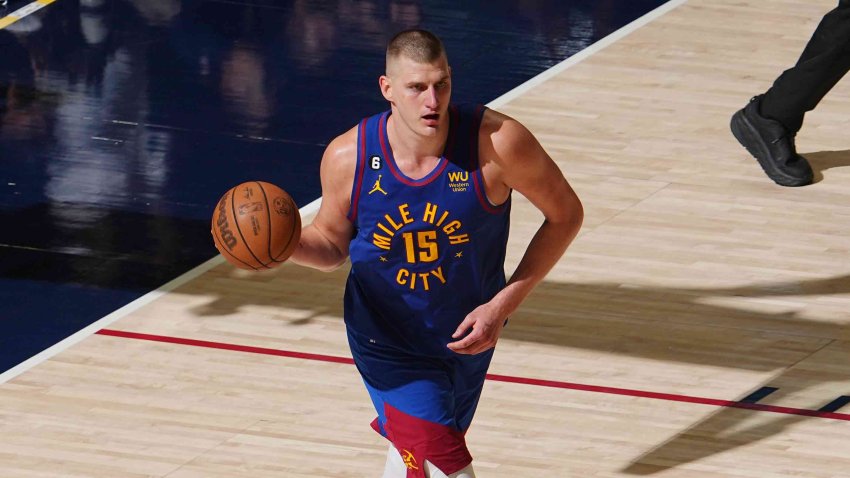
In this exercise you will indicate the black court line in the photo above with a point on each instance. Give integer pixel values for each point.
(756, 396)
(835, 404)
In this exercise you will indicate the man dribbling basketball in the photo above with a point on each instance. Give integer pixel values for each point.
(426, 298)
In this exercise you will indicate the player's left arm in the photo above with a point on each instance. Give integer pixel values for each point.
(517, 161)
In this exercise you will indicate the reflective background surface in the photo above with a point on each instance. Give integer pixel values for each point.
(123, 121)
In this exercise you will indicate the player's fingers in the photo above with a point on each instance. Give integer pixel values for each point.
(461, 345)
(465, 342)
(467, 351)
(481, 338)
(463, 327)
(477, 348)
(486, 342)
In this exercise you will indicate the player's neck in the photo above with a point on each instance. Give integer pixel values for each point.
(415, 154)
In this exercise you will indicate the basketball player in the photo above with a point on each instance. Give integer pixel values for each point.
(419, 197)
(768, 124)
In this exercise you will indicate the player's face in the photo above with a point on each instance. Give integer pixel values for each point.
(420, 93)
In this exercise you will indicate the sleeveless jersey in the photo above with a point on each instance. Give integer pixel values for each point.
(426, 252)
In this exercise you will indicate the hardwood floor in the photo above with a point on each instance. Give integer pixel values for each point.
(695, 282)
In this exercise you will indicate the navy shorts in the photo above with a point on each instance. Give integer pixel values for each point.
(424, 404)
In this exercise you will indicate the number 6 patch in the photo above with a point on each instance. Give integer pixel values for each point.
(375, 162)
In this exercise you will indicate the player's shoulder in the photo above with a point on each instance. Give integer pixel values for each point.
(341, 152)
(344, 144)
(503, 133)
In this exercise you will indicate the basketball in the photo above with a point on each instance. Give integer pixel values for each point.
(256, 225)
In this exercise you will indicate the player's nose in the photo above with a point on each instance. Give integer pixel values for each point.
(431, 100)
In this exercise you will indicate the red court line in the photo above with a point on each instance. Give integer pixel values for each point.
(223, 346)
(496, 378)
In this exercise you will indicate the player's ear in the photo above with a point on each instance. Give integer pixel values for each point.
(386, 87)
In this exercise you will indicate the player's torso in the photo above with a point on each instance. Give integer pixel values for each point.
(426, 251)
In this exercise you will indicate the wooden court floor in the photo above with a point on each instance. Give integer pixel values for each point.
(694, 283)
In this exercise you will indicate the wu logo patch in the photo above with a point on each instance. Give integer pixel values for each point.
(458, 181)
(458, 176)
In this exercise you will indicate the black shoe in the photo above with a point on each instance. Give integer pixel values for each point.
(772, 145)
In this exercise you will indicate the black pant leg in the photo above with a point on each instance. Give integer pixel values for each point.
(825, 60)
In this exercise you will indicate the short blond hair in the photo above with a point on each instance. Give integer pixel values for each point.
(419, 45)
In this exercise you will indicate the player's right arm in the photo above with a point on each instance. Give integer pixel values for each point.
(324, 243)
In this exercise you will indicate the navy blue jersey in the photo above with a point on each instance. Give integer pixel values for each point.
(426, 252)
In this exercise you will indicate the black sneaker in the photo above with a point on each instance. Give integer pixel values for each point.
(772, 145)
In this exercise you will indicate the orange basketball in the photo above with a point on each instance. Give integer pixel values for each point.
(256, 225)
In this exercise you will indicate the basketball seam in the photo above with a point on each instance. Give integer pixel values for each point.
(220, 240)
(295, 224)
(239, 230)
(269, 221)
(240, 260)
(273, 256)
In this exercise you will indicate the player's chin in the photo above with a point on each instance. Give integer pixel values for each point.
(429, 131)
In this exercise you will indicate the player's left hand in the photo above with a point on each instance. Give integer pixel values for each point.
(486, 327)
